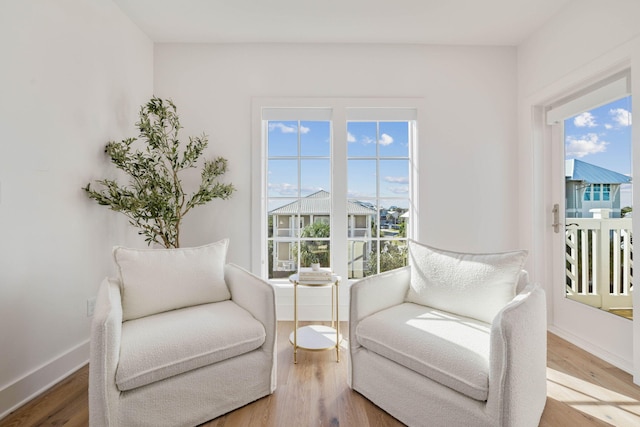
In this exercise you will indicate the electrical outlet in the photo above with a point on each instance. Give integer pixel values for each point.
(91, 305)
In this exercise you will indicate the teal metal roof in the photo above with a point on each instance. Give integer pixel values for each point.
(319, 203)
(577, 170)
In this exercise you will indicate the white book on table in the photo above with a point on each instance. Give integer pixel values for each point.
(307, 273)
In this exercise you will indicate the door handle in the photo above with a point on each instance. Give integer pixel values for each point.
(556, 218)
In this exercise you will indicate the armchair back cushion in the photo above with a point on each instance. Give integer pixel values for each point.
(470, 285)
(158, 280)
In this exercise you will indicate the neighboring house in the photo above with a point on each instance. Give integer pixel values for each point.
(592, 187)
(287, 220)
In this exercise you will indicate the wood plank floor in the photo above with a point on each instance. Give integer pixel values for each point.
(582, 391)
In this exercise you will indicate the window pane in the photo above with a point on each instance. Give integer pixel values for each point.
(361, 218)
(282, 139)
(394, 216)
(316, 224)
(394, 139)
(315, 251)
(393, 254)
(315, 175)
(282, 179)
(394, 178)
(282, 258)
(315, 139)
(358, 252)
(361, 137)
(361, 179)
(283, 218)
(371, 258)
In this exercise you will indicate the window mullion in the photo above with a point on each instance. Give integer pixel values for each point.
(298, 223)
(339, 225)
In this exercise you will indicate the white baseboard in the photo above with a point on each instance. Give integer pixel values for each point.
(607, 356)
(42, 378)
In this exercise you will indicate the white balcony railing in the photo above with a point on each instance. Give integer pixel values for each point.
(599, 261)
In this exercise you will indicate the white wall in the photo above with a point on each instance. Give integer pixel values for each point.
(467, 149)
(586, 40)
(73, 75)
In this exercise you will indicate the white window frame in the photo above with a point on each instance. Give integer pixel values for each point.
(341, 110)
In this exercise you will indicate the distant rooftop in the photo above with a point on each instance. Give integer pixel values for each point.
(319, 203)
(577, 170)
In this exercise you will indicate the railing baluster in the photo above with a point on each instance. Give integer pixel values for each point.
(616, 262)
(599, 261)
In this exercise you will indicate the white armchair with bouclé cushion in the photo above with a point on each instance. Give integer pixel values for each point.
(179, 338)
(453, 339)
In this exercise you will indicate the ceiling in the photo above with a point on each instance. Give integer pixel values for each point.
(449, 22)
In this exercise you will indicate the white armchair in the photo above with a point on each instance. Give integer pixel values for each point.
(181, 338)
(474, 363)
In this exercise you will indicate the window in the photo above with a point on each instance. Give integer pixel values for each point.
(334, 186)
(599, 192)
(378, 190)
(298, 182)
(596, 192)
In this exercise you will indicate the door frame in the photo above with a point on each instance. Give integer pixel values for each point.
(543, 165)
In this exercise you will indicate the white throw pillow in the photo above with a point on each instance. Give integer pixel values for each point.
(158, 280)
(471, 285)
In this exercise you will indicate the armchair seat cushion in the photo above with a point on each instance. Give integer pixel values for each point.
(450, 349)
(166, 344)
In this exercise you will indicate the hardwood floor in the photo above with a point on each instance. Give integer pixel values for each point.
(582, 391)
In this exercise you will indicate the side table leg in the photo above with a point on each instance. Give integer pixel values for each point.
(337, 322)
(295, 323)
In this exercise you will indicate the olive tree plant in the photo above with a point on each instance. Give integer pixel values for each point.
(154, 199)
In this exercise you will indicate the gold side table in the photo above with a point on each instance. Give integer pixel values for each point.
(316, 337)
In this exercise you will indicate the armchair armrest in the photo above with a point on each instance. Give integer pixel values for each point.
(519, 359)
(257, 297)
(375, 293)
(106, 332)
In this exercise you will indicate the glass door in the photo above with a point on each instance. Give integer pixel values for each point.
(598, 208)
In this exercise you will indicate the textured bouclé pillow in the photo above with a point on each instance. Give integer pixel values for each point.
(467, 284)
(158, 280)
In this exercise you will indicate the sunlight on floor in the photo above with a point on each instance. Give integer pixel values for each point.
(624, 312)
(592, 399)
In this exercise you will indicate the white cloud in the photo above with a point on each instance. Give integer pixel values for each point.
(291, 190)
(385, 139)
(359, 195)
(621, 116)
(584, 145)
(284, 189)
(366, 140)
(585, 120)
(397, 179)
(399, 189)
(287, 129)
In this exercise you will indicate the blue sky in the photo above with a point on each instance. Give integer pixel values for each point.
(390, 139)
(602, 136)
